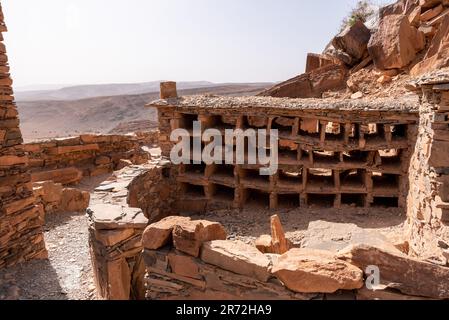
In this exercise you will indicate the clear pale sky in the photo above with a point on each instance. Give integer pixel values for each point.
(117, 41)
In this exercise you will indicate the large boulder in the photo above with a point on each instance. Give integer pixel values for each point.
(316, 271)
(396, 43)
(312, 84)
(353, 40)
(316, 61)
(401, 272)
(237, 257)
(188, 236)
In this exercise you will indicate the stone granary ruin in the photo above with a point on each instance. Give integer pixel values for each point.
(363, 135)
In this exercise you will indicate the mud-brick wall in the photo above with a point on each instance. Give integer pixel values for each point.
(21, 219)
(67, 160)
(428, 202)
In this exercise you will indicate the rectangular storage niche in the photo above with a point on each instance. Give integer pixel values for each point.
(290, 180)
(320, 180)
(284, 125)
(353, 199)
(192, 191)
(219, 122)
(223, 193)
(320, 200)
(186, 120)
(288, 201)
(334, 131)
(256, 198)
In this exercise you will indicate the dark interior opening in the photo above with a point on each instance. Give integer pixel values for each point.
(399, 131)
(320, 178)
(288, 201)
(386, 202)
(356, 200)
(290, 177)
(352, 178)
(254, 174)
(224, 193)
(355, 156)
(326, 157)
(321, 200)
(385, 180)
(257, 198)
(217, 122)
(191, 190)
(284, 125)
(187, 121)
(226, 170)
(195, 168)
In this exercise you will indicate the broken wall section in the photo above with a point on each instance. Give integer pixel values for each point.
(21, 220)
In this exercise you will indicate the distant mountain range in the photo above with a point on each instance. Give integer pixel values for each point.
(55, 93)
(49, 118)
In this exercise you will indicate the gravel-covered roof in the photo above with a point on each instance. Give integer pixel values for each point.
(408, 103)
(436, 77)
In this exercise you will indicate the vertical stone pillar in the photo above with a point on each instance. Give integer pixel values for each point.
(21, 220)
(428, 200)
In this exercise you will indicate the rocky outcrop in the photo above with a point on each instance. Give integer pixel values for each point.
(437, 56)
(312, 84)
(396, 43)
(353, 41)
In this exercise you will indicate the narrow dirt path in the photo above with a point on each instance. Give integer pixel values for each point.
(67, 274)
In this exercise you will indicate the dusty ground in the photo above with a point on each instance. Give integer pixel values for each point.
(67, 274)
(329, 229)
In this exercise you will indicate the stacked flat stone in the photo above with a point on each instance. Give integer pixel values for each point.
(21, 220)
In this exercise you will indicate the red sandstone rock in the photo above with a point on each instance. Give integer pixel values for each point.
(431, 13)
(408, 275)
(393, 46)
(188, 236)
(263, 244)
(237, 257)
(353, 40)
(159, 234)
(308, 271)
(316, 61)
(48, 191)
(64, 176)
(437, 55)
(74, 200)
(183, 265)
(110, 238)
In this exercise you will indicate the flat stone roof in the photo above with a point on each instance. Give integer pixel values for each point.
(407, 104)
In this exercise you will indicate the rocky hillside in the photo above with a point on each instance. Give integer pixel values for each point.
(401, 41)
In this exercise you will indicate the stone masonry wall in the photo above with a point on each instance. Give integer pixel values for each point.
(67, 160)
(21, 220)
(119, 211)
(428, 203)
